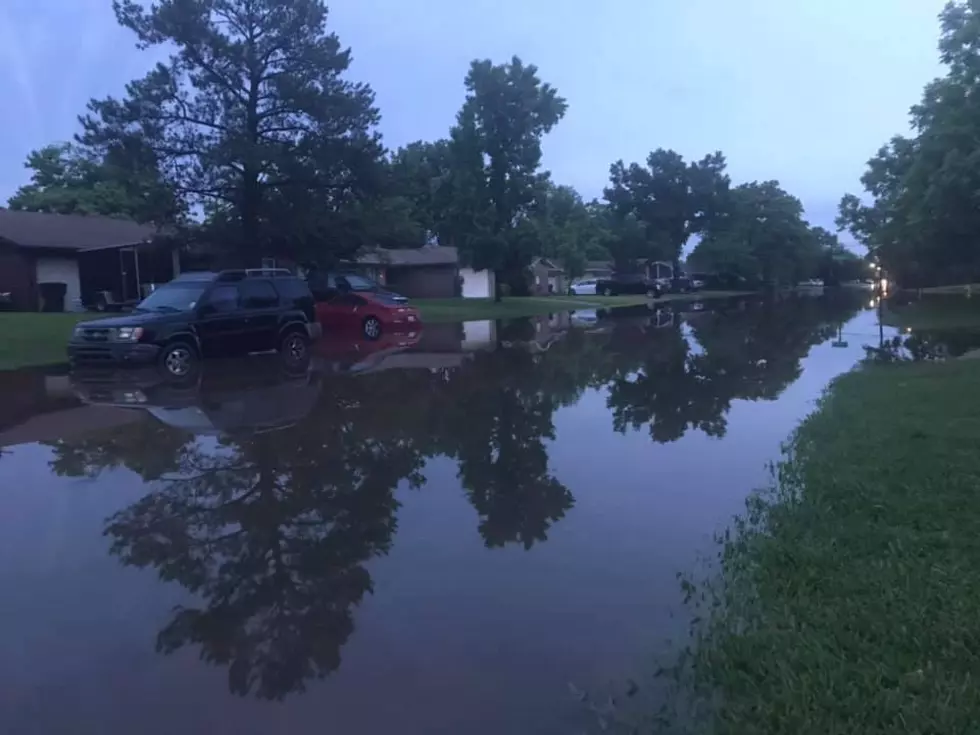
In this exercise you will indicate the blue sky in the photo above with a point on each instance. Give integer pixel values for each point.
(802, 91)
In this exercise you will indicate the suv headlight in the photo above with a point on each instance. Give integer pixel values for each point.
(129, 334)
(79, 330)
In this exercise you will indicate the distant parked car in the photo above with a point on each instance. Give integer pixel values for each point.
(586, 287)
(628, 284)
(200, 315)
(682, 284)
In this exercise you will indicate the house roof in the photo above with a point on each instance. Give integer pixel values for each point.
(428, 255)
(551, 265)
(70, 231)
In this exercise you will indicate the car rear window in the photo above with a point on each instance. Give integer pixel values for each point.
(359, 283)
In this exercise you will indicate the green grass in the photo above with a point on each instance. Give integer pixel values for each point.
(849, 596)
(960, 288)
(454, 310)
(946, 312)
(34, 339)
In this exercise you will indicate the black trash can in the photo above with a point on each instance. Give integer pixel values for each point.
(52, 296)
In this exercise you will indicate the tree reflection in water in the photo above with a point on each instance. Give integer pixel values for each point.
(272, 530)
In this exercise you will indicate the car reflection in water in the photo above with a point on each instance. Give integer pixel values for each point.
(354, 354)
(259, 394)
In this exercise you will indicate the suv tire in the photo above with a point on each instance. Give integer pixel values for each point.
(179, 359)
(294, 346)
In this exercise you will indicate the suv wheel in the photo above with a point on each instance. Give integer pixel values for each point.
(294, 347)
(372, 327)
(179, 359)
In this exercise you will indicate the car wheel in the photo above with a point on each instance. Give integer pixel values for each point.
(179, 360)
(295, 348)
(372, 327)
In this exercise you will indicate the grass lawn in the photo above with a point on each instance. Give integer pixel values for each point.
(34, 339)
(936, 312)
(961, 288)
(454, 310)
(851, 595)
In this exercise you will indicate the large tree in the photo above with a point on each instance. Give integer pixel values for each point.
(496, 164)
(922, 207)
(670, 198)
(252, 120)
(761, 237)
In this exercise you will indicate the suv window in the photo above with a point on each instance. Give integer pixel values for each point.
(292, 289)
(223, 299)
(258, 294)
(323, 285)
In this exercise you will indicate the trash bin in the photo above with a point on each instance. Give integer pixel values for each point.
(52, 296)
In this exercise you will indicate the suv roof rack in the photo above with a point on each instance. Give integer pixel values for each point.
(241, 274)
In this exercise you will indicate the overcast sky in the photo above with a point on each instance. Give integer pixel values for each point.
(803, 91)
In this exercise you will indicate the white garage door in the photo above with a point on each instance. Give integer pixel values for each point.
(61, 270)
(476, 284)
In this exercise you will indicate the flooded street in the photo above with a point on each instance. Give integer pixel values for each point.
(436, 533)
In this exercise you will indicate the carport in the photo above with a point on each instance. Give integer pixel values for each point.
(88, 254)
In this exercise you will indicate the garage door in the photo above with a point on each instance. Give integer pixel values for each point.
(476, 284)
(61, 270)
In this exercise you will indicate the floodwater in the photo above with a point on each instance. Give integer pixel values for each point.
(439, 533)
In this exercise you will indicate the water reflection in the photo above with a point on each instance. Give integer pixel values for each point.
(270, 491)
(924, 345)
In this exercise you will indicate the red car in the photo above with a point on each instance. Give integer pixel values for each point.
(367, 312)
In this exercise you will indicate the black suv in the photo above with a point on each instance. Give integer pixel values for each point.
(628, 284)
(200, 315)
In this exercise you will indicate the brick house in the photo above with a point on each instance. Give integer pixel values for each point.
(88, 254)
(432, 271)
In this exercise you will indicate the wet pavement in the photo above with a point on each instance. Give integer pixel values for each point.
(444, 532)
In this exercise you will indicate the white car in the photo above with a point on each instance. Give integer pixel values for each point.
(583, 288)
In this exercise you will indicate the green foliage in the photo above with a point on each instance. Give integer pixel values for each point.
(564, 229)
(252, 120)
(123, 182)
(760, 236)
(422, 174)
(496, 159)
(34, 339)
(668, 200)
(922, 214)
